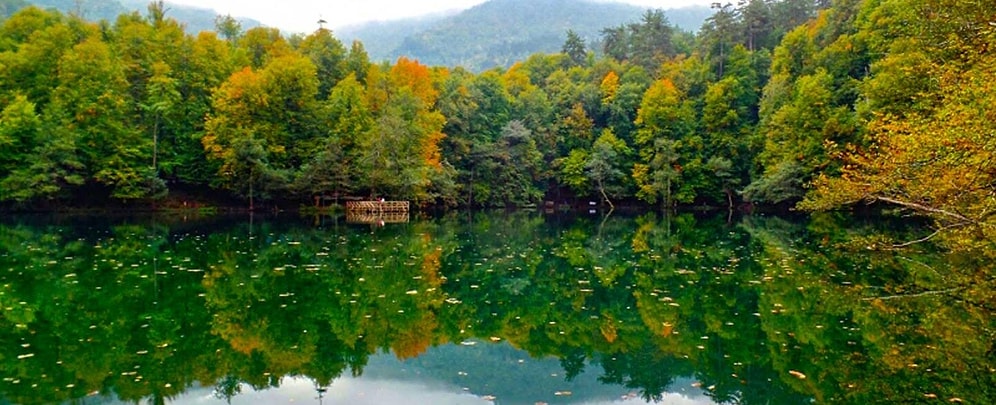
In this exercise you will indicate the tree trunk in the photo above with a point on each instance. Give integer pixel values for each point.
(605, 197)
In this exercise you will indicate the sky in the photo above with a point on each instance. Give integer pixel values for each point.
(303, 15)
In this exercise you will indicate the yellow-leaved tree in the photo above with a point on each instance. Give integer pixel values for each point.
(938, 156)
(941, 163)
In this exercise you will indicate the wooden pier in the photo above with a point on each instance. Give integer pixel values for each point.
(355, 217)
(373, 207)
(377, 212)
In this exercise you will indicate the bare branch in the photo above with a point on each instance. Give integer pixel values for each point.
(931, 236)
(925, 208)
(917, 295)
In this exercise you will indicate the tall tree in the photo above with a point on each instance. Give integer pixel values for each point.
(575, 50)
(92, 102)
(357, 61)
(401, 153)
(606, 163)
(719, 35)
(228, 27)
(334, 163)
(518, 164)
(261, 45)
(329, 56)
(664, 124)
(651, 40)
(262, 124)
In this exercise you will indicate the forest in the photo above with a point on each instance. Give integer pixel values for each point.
(820, 103)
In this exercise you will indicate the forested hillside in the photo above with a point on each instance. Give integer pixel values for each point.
(499, 33)
(878, 100)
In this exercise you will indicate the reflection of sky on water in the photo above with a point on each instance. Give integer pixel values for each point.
(347, 390)
(360, 391)
(440, 377)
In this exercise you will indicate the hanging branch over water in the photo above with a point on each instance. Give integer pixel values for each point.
(917, 295)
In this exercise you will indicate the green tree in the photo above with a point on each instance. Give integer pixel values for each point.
(518, 165)
(54, 171)
(401, 154)
(615, 42)
(572, 171)
(719, 35)
(605, 166)
(20, 127)
(162, 98)
(262, 124)
(37, 161)
(664, 123)
(651, 40)
(728, 121)
(41, 39)
(228, 27)
(92, 102)
(334, 166)
(329, 57)
(210, 62)
(801, 138)
(261, 45)
(357, 61)
(575, 50)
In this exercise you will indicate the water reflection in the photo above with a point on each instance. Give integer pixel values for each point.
(521, 307)
(363, 391)
(388, 380)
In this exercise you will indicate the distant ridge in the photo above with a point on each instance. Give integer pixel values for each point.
(195, 19)
(501, 32)
(382, 38)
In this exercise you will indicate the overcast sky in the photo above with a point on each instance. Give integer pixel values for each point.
(302, 15)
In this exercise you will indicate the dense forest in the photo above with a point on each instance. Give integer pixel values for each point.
(827, 103)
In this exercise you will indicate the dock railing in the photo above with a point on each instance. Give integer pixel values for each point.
(377, 206)
(377, 212)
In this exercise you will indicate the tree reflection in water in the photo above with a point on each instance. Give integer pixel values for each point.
(755, 310)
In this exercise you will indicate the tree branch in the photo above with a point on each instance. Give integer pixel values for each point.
(917, 295)
(931, 236)
(921, 207)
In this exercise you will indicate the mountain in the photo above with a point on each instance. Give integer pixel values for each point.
(381, 38)
(9, 7)
(501, 32)
(193, 18)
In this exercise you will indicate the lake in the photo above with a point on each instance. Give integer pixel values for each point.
(490, 307)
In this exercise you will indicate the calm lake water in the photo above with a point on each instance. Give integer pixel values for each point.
(493, 307)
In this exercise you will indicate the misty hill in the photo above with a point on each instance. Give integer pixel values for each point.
(382, 38)
(193, 18)
(501, 32)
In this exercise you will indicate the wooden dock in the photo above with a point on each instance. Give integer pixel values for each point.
(377, 212)
(374, 207)
(356, 217)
